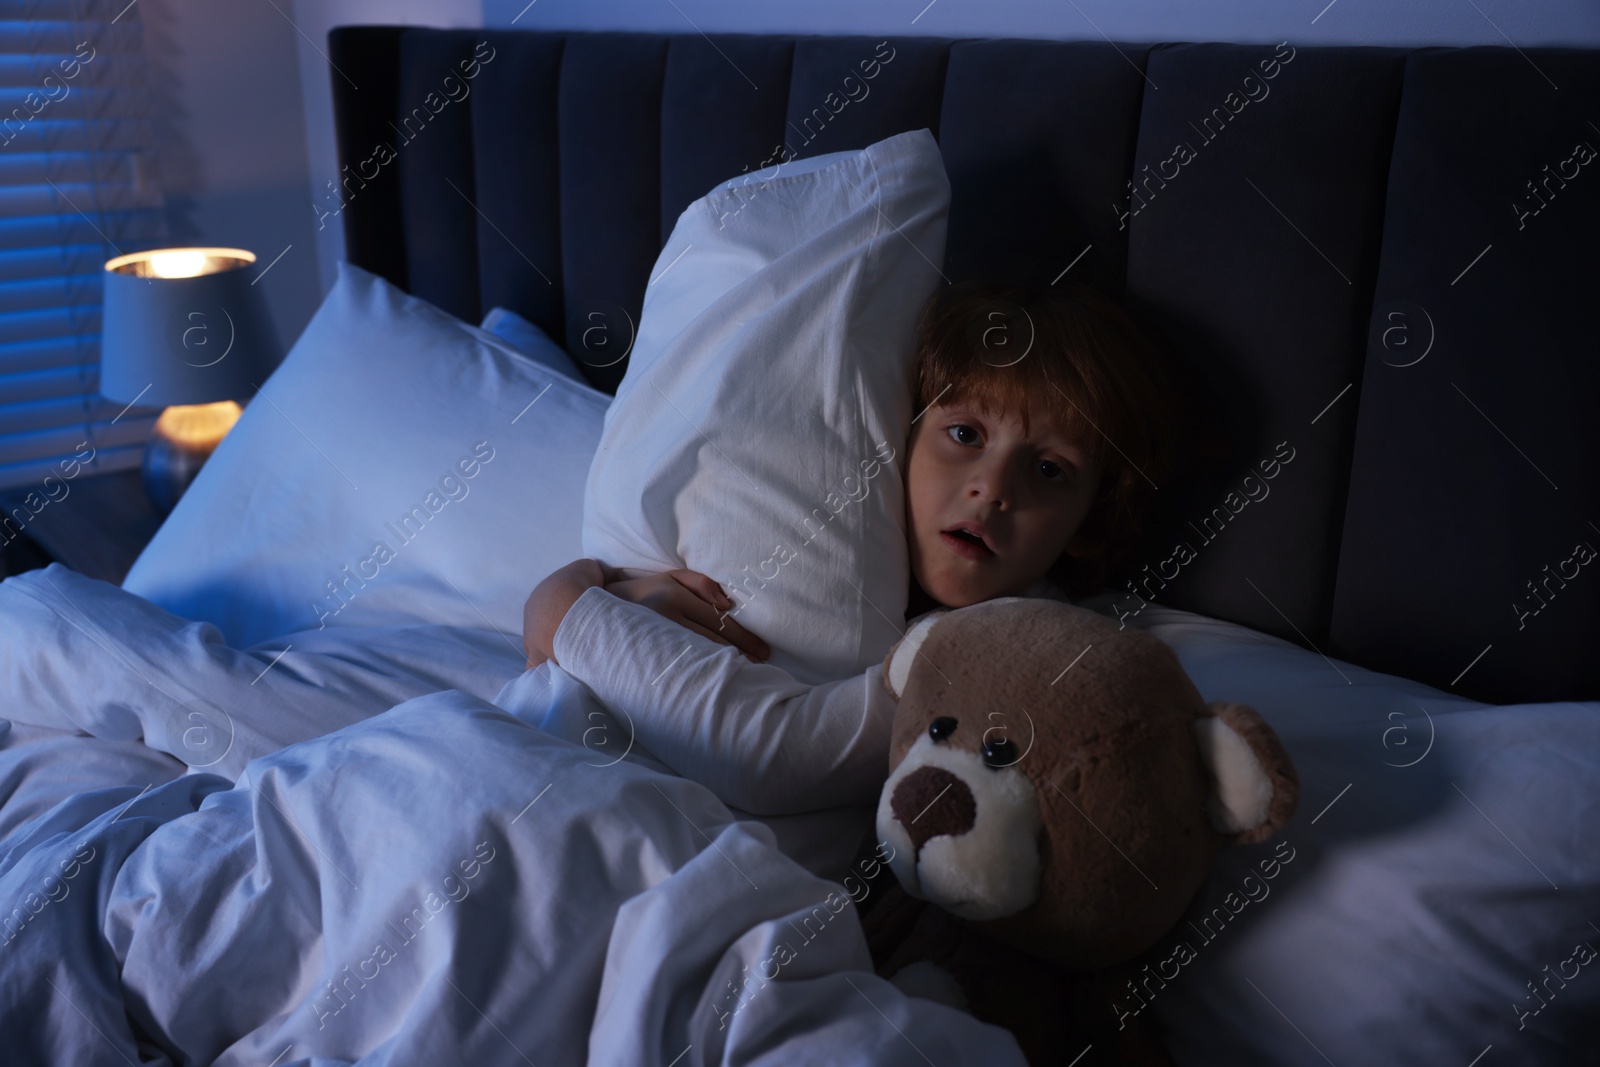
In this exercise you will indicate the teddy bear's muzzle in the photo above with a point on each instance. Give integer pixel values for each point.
(931, 801)
(965, 834)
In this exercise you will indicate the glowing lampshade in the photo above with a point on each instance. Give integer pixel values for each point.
(183, 328)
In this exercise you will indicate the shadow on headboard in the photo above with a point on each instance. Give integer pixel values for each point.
(1378, 261)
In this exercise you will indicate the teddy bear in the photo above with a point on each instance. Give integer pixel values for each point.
(1057, 793)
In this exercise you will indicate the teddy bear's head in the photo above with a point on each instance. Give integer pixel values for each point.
(1059, 783)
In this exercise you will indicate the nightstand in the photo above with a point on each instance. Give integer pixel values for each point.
(98, 528)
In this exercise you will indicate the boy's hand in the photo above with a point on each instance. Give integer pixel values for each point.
(694, 601)
(549, 603)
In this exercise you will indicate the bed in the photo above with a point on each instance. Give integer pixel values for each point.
(246, 824)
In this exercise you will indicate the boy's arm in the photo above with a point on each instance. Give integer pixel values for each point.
(683, 596)
(758, 739)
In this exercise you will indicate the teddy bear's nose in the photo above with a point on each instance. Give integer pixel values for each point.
(931, 801)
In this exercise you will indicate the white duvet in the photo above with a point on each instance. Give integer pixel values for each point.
(462, 873)
(436, 880)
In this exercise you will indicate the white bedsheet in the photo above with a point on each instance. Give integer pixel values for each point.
(439, 882)
(1441, 868)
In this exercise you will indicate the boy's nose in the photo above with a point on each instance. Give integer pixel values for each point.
(992, 485)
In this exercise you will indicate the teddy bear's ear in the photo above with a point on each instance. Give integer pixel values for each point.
(1253, 782)
(897, 665)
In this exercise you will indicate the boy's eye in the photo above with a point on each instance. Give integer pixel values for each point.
(1052, 471)
(956, 431)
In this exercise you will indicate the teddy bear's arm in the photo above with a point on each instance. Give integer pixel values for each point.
(928, 980)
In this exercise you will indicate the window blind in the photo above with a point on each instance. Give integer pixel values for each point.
(76, 188)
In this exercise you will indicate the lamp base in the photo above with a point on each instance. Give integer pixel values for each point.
(184, 438)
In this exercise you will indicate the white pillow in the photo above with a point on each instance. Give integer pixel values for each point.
(531, 341)
(400, 466)
(757, 436)
(1403, 911)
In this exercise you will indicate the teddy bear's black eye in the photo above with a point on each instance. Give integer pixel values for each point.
(999, 753)
(941, 728)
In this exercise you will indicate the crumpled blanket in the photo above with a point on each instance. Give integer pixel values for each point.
(443, 881)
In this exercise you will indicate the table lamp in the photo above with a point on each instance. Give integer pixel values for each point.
(183, 328)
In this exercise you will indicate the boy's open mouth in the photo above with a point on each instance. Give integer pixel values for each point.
(966, 544)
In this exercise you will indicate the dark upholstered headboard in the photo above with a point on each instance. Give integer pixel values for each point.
(1381, 262)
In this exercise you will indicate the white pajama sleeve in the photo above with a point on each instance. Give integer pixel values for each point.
(761, 741)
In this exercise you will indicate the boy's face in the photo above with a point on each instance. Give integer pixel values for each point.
(1023, 497)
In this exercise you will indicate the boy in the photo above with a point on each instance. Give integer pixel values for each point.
(1045, 423)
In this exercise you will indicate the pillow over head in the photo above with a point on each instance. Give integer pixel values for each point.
(757, 435)
(399, 467)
